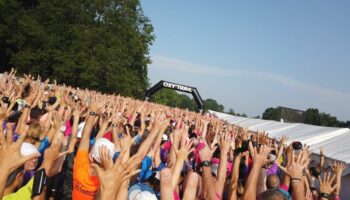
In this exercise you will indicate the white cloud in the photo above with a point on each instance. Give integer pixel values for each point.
(171, 64)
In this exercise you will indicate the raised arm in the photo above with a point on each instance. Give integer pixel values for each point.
(73, 139)
(91, 116)
(260, 159)
(224, 144)
(182, 154)
(205, 156)
(235, 176)
(338, 168)
(294, 169)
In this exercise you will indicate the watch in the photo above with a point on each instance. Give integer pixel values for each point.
(205, 163)
(325, 195)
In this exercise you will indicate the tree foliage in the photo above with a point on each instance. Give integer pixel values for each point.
(171, 98)
(312, 116)
(102, 45)
(212, 104)
(270, 114)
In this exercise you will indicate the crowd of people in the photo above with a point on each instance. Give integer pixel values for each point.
(59, 142)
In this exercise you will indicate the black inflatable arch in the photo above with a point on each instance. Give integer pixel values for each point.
(178, 87)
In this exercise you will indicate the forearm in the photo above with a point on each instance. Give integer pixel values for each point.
(280, 152)
(116, 140)
(298, 189)
(171, 159)
(144, 148)
(73, 139)
(321, 161)
(262, 181)
(102, 130)
(220, 183)
(234, 178)
(176, 171)
(338, 184)
(85, 139)
(51, 134)
(251, 184)
(23, 120)
(3, 179)
(123, 191)
(208, 182)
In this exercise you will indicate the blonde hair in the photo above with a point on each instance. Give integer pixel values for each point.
(34, 130)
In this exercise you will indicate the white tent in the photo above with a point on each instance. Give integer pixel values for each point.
(335, 140)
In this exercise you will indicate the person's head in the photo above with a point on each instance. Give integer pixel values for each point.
(35, 113)
(272, 195)
(271, 158)
(95, 151)
(272, 181)
(315, 171)
(28, 149)
(15, 179)
(34, 132)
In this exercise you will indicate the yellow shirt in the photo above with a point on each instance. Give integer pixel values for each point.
(23, 193)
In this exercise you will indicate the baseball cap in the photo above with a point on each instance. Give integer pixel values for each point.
(28, 149)
(141, 192)
(102, 142)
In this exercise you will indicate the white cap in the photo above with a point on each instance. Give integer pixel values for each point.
(28, 149)
(80, 129)
(144, 195)
(102, 142)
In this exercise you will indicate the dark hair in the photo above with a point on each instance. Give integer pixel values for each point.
(315, 171)
(35, 113)
(52, 100)
(14, 117)
(11, 178)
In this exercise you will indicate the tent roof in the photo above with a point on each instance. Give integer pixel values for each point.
(335, 140)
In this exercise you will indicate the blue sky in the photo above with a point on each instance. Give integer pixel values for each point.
(250, 55)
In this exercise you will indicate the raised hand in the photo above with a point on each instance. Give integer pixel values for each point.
(185, 148)
(338, 168)
(296, 165)
(283, 140)
(260, 155)
(121, 171)
(225, 142)
(10, 156)
(326, 183)
(105, 157)
(322, 151)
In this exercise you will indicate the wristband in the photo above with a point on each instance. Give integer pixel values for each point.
(295, 179)
(205, 163)
(26, 106)
(92, 113)
(325, 195)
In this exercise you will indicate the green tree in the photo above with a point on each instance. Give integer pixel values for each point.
(231, 112)
(211, 104)
(328, 120)
(270, 114)
(102, 45)
(171, 98)
(312, 116)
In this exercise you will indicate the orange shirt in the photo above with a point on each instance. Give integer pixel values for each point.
(85, 186)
